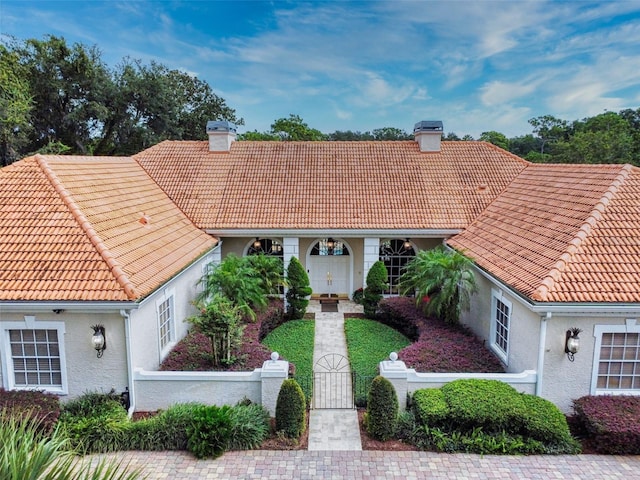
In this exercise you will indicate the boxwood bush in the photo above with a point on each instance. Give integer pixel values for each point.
(382, 409)
(430, 407)
(612, 422)
(291, 408)
(488, 416)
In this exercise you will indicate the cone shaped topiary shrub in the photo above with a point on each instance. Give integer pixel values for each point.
(376, 284)
(298, 290)
(382, 409)
(291, 409)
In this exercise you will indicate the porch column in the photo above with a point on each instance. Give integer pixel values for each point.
(290, 248)
(371, 255)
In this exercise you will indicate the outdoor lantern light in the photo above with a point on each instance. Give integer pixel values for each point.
(330, 243)
(407, 244)
(99, 339)
(257, 243)
(572, 343)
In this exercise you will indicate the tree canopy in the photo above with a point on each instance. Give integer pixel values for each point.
(57, 97)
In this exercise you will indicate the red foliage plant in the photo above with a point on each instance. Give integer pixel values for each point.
(438, 347)
(612, 422)
(42, 407)
(193, 352)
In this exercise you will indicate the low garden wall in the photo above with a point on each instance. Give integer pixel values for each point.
(155, 390)
(407, 380)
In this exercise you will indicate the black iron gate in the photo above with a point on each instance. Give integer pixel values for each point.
(333, 383)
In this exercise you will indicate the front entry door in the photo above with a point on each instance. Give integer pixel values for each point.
(329, 274)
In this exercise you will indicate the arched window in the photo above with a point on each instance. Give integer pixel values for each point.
(395, 253)
(329, 246)
(266, 246)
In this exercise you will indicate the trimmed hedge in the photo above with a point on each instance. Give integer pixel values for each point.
(613, 422)
(29, 405)
(488, 416)
(490, 404)
(430, 407)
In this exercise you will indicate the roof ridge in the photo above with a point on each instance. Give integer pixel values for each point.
(556, 271)
(114, 266)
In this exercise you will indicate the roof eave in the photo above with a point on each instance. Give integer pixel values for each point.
(343, 232)
(71, 306)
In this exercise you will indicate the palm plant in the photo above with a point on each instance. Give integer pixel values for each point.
(236, 279)
(270, 271)
(442, 281)
(27, 454)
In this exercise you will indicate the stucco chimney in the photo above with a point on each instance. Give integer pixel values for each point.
(428, 134)
(221, 135)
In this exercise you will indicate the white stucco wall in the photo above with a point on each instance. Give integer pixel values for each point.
(562, 381)
(145, 329)
(84, 371)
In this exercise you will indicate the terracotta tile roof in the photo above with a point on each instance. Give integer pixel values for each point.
(70, 230)
(563, 233)
(331, 185)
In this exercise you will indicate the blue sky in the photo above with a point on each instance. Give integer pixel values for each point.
(360, 65)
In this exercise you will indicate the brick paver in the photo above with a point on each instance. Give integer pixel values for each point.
(277, 465)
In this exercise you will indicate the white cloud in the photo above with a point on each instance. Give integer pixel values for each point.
(497, 92)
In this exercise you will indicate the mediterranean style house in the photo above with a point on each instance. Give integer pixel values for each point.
(120, 242)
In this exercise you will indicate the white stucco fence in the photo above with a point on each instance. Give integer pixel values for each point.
(407, 380)
(159, 390)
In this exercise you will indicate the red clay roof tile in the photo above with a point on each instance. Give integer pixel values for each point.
(331, 185)
(560, 233)
(69, 231)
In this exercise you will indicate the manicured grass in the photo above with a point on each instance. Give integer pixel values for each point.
(294, 342)
(370, 342)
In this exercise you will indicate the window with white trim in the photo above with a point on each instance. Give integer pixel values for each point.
(34, 355)
(500, 324)
(166, 321)
(617, 358)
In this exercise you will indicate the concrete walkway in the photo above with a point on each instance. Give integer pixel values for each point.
(332, 429)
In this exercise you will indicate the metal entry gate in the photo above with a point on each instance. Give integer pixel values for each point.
(333, 383)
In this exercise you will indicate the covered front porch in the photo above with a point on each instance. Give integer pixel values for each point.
(337, 264)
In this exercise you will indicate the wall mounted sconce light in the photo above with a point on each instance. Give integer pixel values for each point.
(99, 339)
(407, 244)
(257, 243)
(572, 343)
(330, 243)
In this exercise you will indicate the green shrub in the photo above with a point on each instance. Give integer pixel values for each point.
(209, 433)
(544, 421)
(27, 454)
(291, 409)
(95, 423)
(249, 426)
(490, 404)
(298, 290)
(27, 405)
(430, 407)
(376, 284)
(382, 409)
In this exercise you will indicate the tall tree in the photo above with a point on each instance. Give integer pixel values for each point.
(15, 106)
(548, 129)
(496, 138)
(295, 129)
(80, 105)
(605, 138)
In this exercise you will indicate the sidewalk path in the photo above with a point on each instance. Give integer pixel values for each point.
(336, 429)
(299, 464)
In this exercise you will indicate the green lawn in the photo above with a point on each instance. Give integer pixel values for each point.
(294, 342)
(370, 342)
